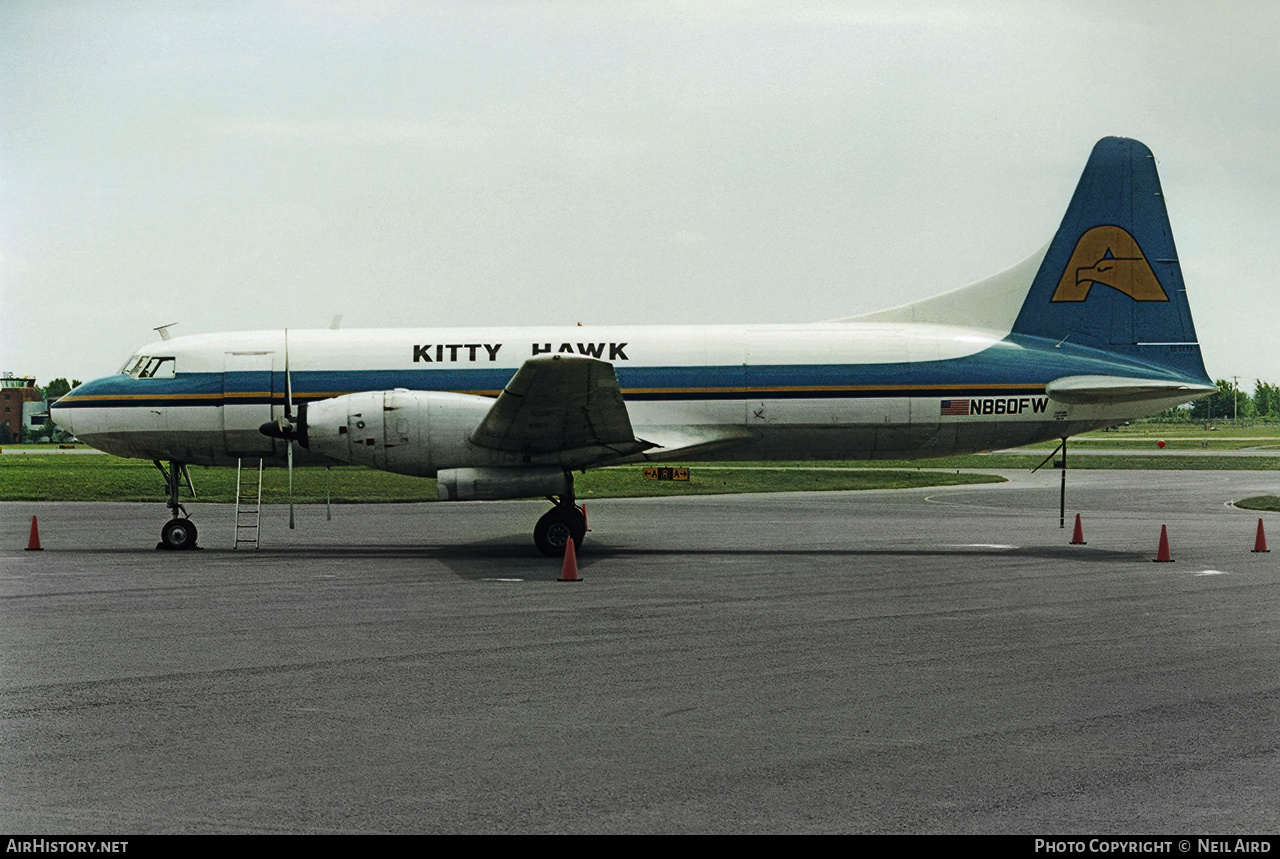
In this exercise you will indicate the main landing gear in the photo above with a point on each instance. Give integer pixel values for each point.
(179, 532)
(562, 523)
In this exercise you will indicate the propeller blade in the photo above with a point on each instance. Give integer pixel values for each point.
(290, 458)
(288, 381)
(288, 432)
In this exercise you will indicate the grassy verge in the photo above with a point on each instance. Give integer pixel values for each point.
(59, 477)
(1032, 458)
(628, 482)
(1175, 443)
(1213, 429)
(34, 477)
(1270, 503)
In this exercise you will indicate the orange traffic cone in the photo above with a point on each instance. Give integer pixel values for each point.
(583, 508)
(1260, 543)
(569, 573)
(1162, 554)
(1077, 539)
(33, 544)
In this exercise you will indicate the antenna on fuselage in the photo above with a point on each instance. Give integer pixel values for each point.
(164, 330)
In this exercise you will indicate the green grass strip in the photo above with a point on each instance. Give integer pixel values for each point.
(1266, 503)
(35, 477)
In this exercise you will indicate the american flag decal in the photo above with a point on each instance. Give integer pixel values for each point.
(955, 407)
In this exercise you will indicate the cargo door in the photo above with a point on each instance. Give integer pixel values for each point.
(247, 393)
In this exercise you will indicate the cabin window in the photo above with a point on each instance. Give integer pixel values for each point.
(157, 368)
(146, 367)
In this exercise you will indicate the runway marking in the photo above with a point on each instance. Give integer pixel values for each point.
(1212, 573)
(981, 546)
(934, 499)
(502, 580)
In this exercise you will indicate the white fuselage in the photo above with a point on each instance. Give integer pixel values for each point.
(819, 391)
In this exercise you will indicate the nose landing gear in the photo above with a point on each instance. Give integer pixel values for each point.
(179, 532)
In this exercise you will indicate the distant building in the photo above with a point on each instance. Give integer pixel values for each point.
(35, 414)
(15, 393)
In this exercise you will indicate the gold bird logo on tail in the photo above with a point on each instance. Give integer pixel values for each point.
(1108, 256)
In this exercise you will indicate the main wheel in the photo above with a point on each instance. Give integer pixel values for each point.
(556, 528)
(178, 534)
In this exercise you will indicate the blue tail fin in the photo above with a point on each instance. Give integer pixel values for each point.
(1111, 279)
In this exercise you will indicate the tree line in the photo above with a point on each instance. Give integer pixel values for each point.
(1230, 402)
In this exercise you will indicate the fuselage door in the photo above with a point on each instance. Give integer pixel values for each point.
(247, 380)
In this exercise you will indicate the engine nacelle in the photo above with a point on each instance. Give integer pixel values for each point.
(406, 432)
(492, 484)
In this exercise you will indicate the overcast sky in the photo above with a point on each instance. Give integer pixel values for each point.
(230, 165)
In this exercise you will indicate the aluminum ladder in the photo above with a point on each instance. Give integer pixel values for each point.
(248, 511)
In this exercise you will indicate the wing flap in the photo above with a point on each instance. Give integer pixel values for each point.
(671, 442)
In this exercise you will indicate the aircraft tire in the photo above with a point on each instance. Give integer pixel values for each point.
(178, 534)
(555, 529)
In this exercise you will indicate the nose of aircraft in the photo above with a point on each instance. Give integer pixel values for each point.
(62, 413)
(62, 416)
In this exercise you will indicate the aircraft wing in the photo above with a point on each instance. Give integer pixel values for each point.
(1110, 389)
(560, 403)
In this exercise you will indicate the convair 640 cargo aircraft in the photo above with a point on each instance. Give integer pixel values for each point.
(1092, 331)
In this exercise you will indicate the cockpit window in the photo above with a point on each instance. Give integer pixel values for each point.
(146, 367)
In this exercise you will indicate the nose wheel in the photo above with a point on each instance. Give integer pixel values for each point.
(179, 532)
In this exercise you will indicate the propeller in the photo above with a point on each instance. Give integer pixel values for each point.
(283, 429)
(290, 428)
(288, 415)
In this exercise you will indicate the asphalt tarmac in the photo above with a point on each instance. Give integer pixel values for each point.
(919, 661)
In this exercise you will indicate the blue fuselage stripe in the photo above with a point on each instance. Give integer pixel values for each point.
(999, 371)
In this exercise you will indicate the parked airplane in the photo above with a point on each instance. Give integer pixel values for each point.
(1091, 331)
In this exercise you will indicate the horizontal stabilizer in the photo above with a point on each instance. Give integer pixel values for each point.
(1109, 389)
(559, 403)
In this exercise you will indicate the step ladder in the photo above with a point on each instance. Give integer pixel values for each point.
(248, 510)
